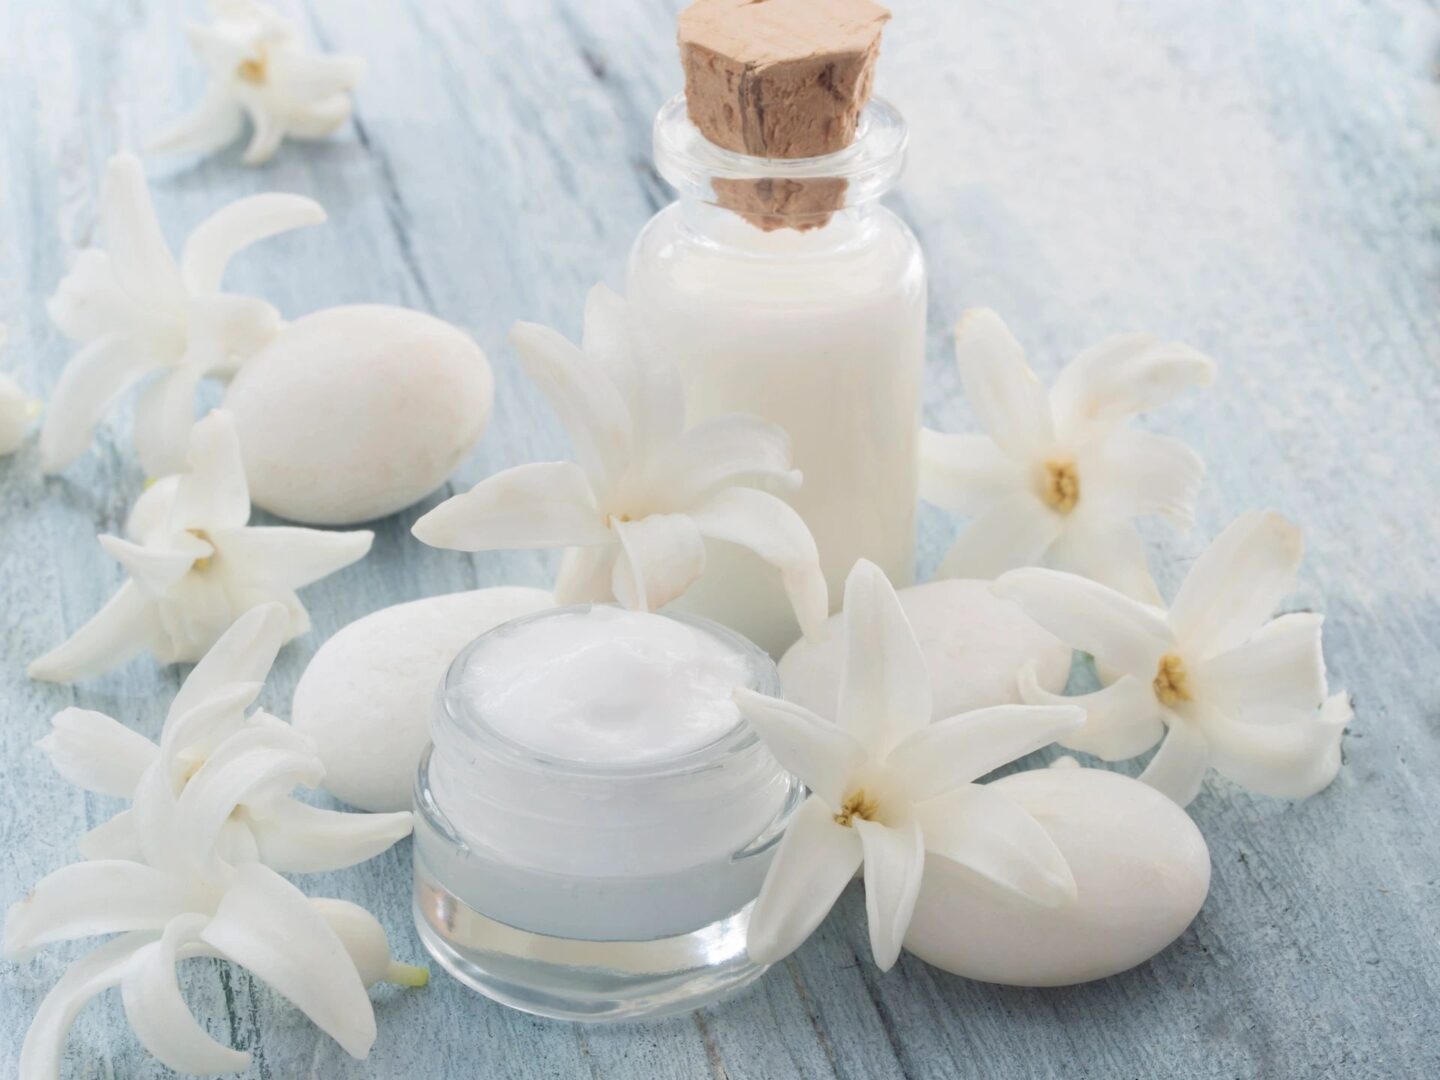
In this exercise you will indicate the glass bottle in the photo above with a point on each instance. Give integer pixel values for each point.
(783, 288)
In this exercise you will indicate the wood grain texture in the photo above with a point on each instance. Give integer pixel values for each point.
(1256, 179)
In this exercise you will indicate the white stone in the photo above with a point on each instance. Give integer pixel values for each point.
(367, 696)
(1140, 864)
(356, 412)
(974, 643)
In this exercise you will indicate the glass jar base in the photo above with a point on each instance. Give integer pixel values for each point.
(593, 981)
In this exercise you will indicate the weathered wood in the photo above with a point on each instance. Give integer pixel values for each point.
(1257, 180)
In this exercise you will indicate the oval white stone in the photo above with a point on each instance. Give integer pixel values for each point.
(366, 697)
(356, 412)
(974, 643)
(1141, 867)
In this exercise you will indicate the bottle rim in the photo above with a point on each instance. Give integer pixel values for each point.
(869, 166)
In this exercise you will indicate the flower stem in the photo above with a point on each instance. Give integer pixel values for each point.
(406, 974)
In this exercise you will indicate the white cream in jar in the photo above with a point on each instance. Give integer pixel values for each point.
(819, 328)
(594, 818)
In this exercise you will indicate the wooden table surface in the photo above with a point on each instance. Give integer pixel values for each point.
(1258, 180)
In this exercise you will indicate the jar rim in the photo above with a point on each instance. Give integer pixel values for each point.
(870, 165)
(453, 718)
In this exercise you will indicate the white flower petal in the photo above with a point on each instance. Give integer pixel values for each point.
(1289, 759)
(267, 133)
(266, 924)
(894, 858)
(1016, 531)
(1178, 768)
(212, 493)
(92, 379)
(287, 557)
(298, 839)
(1122, 634)
(1236, 584)
(1132, 473)
(649, 385)
(770, 527)
(884, 684)
(230, 230)
(132, 233)
(1121, 721)
(955, 751)
(214, 123)
(244, 654)
(225, 782)
(94, 973)
(1108, 550)
(96, 752)
(585, 575)
(307, 77)
(158, 1014)
(583, 396)
(224, 330)
(965, 474)
(108, 896)
(985, 832)
(89, 303)
(1278, 673)
(545, 505)
(729, 449)
(1119, 377)
(203, 726)
(149, 520)
(1009, 401)
(113, 839)
(814, 862)
(320, 119)
(660, 557)
(124, 627)
(156, 570)
(824, 756)
(164, 419)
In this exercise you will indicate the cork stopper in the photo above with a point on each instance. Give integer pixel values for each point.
(780, 79)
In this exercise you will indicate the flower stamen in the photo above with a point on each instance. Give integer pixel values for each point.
(1172, 682)
(856, 805)
(1060, 488)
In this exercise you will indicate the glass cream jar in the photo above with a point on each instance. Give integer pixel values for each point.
(811, 318)
(593, 818)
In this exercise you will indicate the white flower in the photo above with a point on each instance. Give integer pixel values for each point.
(1216, 677)
(647, 492)
(1058, 478)
(195, 566)
(888, 786)
(17, 410)
(138, 314)
(218, 787)
(321, 954)
(190, 868)
(259, 67)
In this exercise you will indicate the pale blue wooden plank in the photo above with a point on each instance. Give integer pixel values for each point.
(1256, 180)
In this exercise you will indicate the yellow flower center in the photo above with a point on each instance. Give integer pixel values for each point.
(255, 69)
(1172, 683)
(1060, 487)
(856, 805)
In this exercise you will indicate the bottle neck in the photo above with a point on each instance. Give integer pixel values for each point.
(785, 205)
